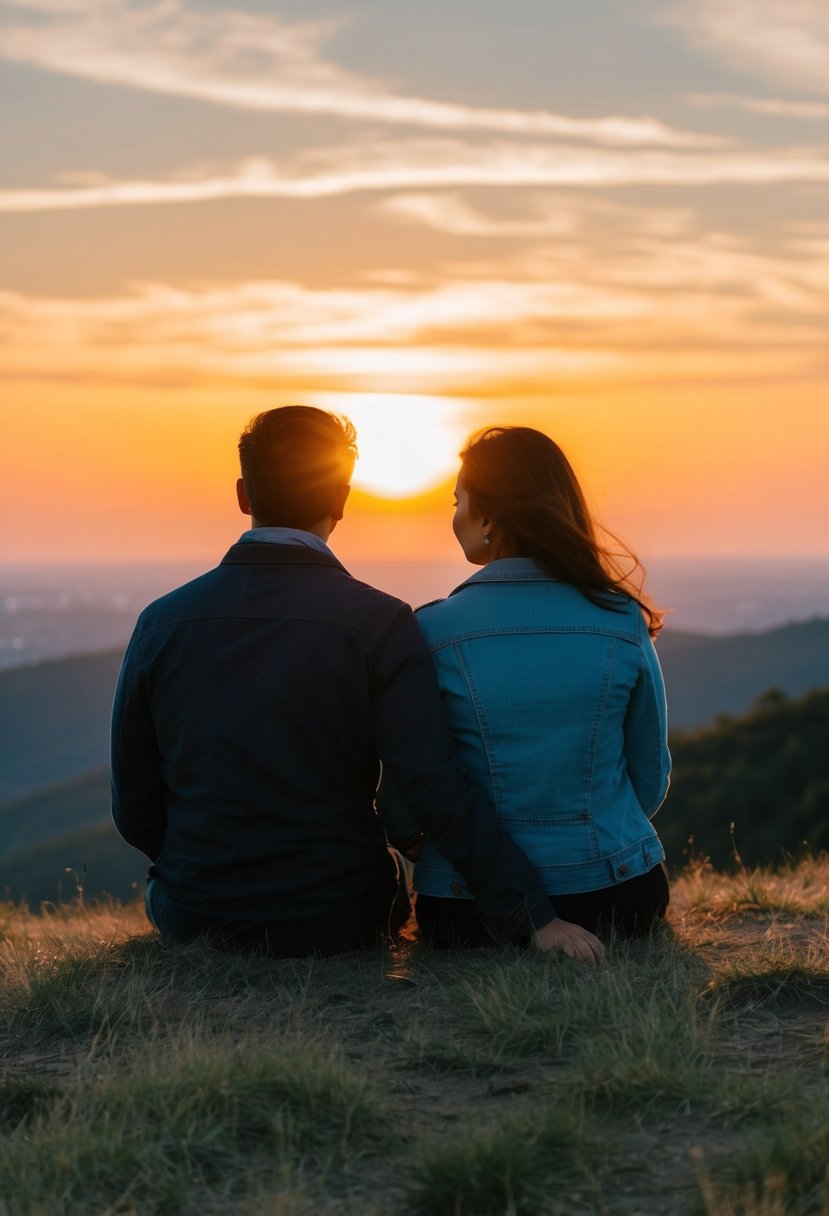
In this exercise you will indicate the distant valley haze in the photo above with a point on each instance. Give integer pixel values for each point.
(53, 611)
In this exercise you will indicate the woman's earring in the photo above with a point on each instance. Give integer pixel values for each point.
(487, 539)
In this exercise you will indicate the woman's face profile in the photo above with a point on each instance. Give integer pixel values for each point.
(469, 528)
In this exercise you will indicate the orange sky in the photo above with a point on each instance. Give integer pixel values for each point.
(88, 474)
(619, 236)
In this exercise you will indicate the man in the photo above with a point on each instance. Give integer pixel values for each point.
(252, 712)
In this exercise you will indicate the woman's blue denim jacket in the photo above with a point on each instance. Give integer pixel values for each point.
(557, 707)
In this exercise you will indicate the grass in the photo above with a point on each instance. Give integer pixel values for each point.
(183, 1118)
(795, 888)
(688, 1074)
(517, 1165)
(784, 1173)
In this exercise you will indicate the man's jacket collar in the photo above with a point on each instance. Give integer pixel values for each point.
(265, 553)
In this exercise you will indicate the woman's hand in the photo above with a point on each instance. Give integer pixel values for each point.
(572, 939)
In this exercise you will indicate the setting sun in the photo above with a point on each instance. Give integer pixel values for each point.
(408, 444)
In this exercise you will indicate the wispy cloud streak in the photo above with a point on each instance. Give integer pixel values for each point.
(253, 62)
(773, 106)
(425, 164)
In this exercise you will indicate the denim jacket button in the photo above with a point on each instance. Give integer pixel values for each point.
(457, 887)
(623, 870)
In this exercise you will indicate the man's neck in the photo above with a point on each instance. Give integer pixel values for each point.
(323, 529)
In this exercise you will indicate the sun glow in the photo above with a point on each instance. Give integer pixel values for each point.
(408, 443)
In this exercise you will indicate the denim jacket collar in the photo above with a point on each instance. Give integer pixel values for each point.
(508, 570)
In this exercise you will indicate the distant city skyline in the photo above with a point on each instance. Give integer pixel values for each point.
(607, 220)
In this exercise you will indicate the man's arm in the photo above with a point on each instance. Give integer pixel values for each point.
(418, 754)
(137, 784)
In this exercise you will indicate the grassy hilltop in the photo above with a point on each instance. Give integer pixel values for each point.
(686, 1075)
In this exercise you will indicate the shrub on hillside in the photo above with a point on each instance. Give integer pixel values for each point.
(766, 773)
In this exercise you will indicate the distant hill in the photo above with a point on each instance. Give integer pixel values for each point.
(96, 861)
(706, 676)
(54, 721)
(58, 810)
(766, 772)
(61, 837)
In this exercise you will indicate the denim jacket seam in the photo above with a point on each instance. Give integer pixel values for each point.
(483, 725)
(470, 634)
(605, 859)
(590, 767)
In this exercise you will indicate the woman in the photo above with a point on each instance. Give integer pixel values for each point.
(553, 692)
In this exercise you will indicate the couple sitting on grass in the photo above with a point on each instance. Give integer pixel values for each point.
(520, 723)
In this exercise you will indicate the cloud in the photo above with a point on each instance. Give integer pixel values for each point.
(450, 213)
(628, 304)
(783, 41)
(547, 216)
(402, 165)
(273, 333)
(263, 318)
(762, 105)
(260, 62)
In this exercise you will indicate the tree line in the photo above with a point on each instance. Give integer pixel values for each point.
(754, 788)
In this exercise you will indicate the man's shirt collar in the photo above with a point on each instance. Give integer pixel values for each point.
(286, 536)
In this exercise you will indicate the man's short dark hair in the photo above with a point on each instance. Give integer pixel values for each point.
(294, 460)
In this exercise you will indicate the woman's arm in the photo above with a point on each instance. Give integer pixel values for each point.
(646, 730)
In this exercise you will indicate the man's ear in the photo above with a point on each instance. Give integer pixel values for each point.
(340, 499)
(242, 498)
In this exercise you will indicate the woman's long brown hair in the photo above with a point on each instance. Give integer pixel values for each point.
(522, 481)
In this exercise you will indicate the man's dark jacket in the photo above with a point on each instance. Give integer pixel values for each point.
(252, 711)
